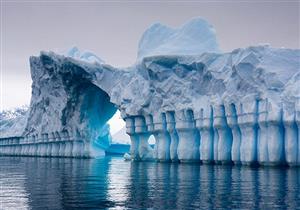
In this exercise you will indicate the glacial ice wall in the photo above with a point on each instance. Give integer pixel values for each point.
(66, 104)
(241, 106)
(198, 103)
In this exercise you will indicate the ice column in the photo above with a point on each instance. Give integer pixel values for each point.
(224, 134)
(150, 128)
(162, 137)
(14, 146)
(170, 119)
(43, 145)
(204, 123)
(55, 144)
(25, 146)
(35, 145)
(275, 135)
(8, 147)
(247, 120)
(23, 141)
(29, 142)
(19, 147)
(236, 132)
(262, 140)
(86, 149)
(3, 148)
(144, 149)
(38, 140)
(188, 136)
(134, 147)
(31, 146)
(16, 143)
(68, 144)
(61, 144)
(78, 146)
(271, 135)
(48, 145)
(291, 137)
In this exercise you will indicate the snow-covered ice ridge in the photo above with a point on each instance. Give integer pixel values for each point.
(241, 107)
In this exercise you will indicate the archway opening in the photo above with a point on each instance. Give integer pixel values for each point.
(151, 141)
(120, 140)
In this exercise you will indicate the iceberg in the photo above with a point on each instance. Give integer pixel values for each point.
(195, 37)
(200, 104)
(12, 122)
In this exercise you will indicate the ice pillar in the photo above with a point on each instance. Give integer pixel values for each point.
(188, 137)
(19, 147)
(26, 146)
(48, 145)
(275, 132)
(43, 146)
(262, 140)
(170, 119)
(78, 145)
(224, 135)
(162, 137)
(247, 120)
(61, 143)
(231, 115)
(144, 149)
(290, 136)
(204, 123)
(68, 144)
(31, 146)
(38, 140)
(270, 142)
(134, 147)
(55, 145)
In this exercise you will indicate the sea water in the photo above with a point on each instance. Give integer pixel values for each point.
(112, 183)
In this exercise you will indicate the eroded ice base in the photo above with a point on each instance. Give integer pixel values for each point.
(254, 132)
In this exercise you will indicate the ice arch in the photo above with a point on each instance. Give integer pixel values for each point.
(68, 103)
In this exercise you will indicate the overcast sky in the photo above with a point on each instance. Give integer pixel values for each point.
(112, 30)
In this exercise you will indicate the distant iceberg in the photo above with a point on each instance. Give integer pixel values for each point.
(195, 37)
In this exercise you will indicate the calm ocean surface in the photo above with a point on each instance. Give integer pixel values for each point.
(111, 183)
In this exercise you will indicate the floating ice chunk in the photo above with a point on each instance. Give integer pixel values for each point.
(127, 157)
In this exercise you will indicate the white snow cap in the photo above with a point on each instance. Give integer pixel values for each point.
(86, 56)
(195, 37)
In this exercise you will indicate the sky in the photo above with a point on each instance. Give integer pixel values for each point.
(112, 29)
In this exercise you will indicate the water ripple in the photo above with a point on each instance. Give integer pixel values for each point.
(111, 183)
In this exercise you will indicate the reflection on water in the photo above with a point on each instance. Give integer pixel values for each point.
(45, 183)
